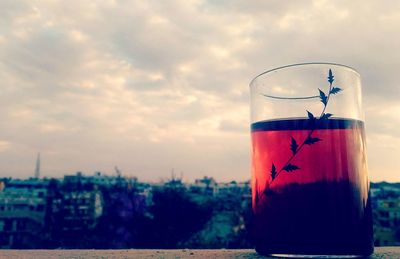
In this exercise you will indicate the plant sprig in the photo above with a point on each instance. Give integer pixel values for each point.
(289, 167)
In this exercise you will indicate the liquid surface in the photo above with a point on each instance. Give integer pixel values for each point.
(320, 204)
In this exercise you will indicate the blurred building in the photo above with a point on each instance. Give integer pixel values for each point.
(80, 209)
(205, 186)
(98, 179)
(387, 222)
(23, 209)
(234, 188)
(80, 203)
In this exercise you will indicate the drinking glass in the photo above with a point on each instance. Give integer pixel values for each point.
(310, 186)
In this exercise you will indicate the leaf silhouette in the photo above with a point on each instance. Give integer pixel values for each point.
(322, 96)
(290, 167)
(311, 119)
(294, 146)
(310, 140)
(273, 171)
(336, 90)
(330, 77)
(325, 116)
(310, 115)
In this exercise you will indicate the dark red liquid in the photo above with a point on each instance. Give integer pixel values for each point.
(322, 208)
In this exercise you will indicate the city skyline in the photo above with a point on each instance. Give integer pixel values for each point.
(150, 86)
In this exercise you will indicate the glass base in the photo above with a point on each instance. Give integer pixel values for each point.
(314, 256)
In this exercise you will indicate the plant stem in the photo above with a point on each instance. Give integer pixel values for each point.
(308, 136)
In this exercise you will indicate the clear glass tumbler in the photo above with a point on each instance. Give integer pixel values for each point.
(310, 186)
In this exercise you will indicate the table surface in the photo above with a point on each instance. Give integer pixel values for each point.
(380, 252)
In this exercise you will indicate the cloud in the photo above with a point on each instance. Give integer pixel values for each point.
(152, 86)
(4, 145)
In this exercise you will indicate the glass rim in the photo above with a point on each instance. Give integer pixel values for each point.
(303, 64)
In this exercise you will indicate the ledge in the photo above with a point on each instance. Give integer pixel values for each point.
(380, 253)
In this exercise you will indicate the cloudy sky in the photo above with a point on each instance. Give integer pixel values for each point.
(154, 85)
